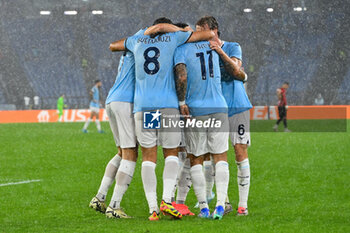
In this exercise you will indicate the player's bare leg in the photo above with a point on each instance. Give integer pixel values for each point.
(222, 177)
(243, 177)
(199, 186)
(123, 179)
(98, 202)
(171, 167)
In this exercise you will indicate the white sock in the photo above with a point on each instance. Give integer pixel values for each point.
(198, 181)
(222, 177)
(209, 174)
(86, 125)
(243, 180)
(182, 157)
(185, 183)
(122, 182)
(98, 125)
(171, 167)
(149, 181)
(108, 177)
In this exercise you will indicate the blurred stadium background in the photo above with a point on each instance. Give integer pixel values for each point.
(300, 181)
(49, 48)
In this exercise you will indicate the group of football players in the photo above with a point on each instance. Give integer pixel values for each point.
(168, 69)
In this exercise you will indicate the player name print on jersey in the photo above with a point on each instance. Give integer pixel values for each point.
(154, 69)
(201, 46)
(147, 40)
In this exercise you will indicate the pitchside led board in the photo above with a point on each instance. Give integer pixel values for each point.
(337, 113)
(44, 116)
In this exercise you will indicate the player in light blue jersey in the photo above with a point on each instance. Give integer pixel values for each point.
(119, 107)
(199, 92)
(155, 98)
(233, 78)
(94, 107)
(203, 95)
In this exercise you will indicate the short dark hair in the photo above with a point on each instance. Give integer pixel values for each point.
(97, 81)
(286, 83)
(162, 20)
(210, 20)
(181, 25)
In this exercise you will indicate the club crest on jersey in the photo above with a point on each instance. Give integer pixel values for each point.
(151, 120)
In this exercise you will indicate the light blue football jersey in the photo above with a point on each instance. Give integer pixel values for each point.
(95, 102)
(124, 86)
(233, 90)
(204, 94)
(155, 84)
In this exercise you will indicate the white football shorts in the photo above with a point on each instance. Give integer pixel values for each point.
(200, 141)
(240, 128)
(94, 109)
(121, 121)
(165, 136)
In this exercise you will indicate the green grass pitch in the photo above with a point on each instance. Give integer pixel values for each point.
(300, 183)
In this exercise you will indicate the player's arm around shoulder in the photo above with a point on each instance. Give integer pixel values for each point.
(200, 36)
(232, 64)
(118, 45)
(162, 28)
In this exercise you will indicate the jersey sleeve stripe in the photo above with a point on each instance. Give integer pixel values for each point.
(236, 57)
(179, 64)
(188, 37)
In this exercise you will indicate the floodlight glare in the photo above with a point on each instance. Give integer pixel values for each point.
(45, 12)
(70, 12)
(97, 12)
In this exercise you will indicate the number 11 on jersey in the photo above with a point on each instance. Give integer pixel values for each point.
(203, 66)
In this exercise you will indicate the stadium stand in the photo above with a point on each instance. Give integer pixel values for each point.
(295, 59)
(344, 90)
(2, 98)
(51, 55)
(99, 40)
(43, 47)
